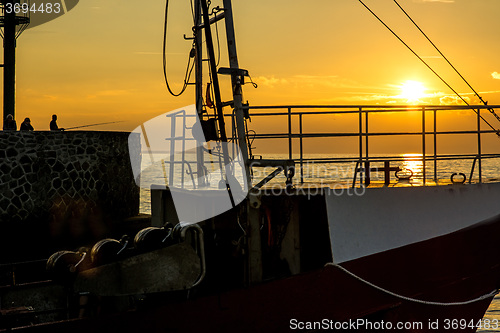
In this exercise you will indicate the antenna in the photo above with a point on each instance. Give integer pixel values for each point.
(14, 19)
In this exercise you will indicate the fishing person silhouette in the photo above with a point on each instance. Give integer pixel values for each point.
(26, 125)
(9, 123)
(53, 124)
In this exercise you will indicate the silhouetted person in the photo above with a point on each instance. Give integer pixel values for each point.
(26, 125)
(10, 123)
(53, 124)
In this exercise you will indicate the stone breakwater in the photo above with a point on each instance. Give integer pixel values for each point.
(66, 186)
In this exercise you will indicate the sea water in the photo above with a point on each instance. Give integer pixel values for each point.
(314, 171)
(492, 317)
(318, 172)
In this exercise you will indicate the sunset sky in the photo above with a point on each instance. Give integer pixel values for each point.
(102, 61)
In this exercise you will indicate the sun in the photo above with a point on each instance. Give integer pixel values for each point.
(412, 91)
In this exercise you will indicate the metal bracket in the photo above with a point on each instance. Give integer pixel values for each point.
(217, 18)
(232, 71)
(288, 166)
(200, 248)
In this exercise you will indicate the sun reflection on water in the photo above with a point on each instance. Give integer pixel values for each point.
(414, 163)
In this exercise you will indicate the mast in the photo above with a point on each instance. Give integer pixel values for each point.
(254, 247)
(200, 169)
(217, 94)
(237, 79)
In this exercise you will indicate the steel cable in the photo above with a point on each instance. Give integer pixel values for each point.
(449, 63)
(427, 65)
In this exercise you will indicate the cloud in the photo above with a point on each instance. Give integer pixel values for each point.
(489, 92)
(307, 81)
(453, 100)
(334, 89)
(50, 97)
(440, 98)
(109, 93)
(152, 53)
(495, 75)
(270, 82)
(315, 77)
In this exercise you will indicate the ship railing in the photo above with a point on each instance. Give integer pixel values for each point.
(176, 155)
(423, 117)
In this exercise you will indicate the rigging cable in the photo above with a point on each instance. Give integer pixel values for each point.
(212, 92)
(427, 65)
(192, 12)
(210, 83)
(449, 63)
(218, 44)
(189, 67)
(214, 12)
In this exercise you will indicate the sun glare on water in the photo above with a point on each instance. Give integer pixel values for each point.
(412, 91)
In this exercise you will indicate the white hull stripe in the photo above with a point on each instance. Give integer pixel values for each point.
(387, 218)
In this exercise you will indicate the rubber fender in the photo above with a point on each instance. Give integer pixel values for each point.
(61, 265)
(105, 251)
(150, 238)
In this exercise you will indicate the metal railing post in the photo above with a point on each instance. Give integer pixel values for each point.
(360, 147)
(172, 151)
(290, 133)
(472, 169)
(183, 147)
(435, 146)
(423, 145)
(301, 151)
(479, 145)
(366, 138)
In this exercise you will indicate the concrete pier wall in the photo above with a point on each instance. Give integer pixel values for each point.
(65, 186)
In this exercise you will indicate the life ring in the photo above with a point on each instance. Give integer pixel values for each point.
(405, 175)
(453, 181)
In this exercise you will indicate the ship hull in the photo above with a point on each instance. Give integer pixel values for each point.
(459, 267)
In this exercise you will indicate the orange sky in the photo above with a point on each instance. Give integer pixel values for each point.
(102, 61)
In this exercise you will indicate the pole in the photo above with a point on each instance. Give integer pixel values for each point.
(236, 81)
(423, 145)
(9, 51)
(198, 69)
(435, 147)
(217, 95)
(479, 145)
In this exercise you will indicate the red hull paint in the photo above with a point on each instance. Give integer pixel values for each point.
(451, 268)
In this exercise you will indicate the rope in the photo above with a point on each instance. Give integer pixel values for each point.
(414, 300)
(214, 12)
(189, 66)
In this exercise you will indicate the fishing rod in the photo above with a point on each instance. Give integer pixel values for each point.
(111, 122)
